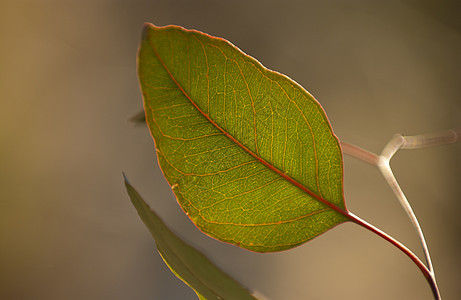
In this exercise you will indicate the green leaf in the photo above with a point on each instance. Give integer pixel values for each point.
(249, 154)
(188, 264)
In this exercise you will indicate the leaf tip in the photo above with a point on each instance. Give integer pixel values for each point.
(125, 178)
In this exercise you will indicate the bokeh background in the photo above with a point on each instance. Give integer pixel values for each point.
(68, 85)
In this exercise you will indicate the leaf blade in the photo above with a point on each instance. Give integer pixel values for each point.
(221, 122)
(188, 264)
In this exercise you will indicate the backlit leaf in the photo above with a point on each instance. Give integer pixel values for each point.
(249, 153)
(188, 264)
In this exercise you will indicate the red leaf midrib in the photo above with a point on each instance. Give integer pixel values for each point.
(336, 208)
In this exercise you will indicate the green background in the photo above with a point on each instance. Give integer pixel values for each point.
(68, 84)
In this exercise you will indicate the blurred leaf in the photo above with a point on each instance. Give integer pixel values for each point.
(249, 154)
(188, 264)
(139, 118)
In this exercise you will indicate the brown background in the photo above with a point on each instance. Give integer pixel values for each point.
(68, 84)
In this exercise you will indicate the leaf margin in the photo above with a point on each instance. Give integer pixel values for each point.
(342, 211)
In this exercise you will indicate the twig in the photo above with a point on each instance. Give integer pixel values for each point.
(384, 166)
(429, 275)
(360, 153)
(383, 163)
(432, 139)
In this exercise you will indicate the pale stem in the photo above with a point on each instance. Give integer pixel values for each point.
(383, 163)
(384, 166)
(360, 153)
(432, 139)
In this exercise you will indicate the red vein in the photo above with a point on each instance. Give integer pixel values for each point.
(269, 223)
(207, 75)
(252, 105)
(271, 167)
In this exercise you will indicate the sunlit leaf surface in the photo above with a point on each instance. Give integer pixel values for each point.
(249, 154)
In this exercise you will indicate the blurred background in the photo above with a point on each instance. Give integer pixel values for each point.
(68, 85)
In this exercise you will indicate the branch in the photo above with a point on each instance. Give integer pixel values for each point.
(382, 161)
